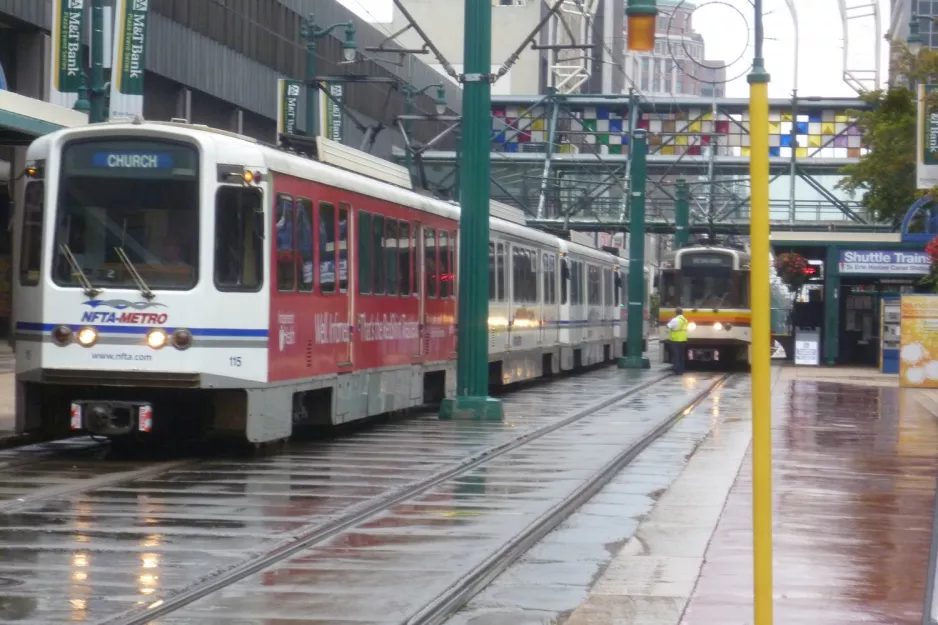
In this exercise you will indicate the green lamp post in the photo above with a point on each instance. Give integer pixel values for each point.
(312, 33)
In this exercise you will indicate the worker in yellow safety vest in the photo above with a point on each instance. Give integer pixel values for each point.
(678, 338)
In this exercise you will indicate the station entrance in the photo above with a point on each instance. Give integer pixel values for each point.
(852, 276)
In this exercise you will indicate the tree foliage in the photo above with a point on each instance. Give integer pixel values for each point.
(886, 175)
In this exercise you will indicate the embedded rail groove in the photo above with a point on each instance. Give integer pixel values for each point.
(318, 533)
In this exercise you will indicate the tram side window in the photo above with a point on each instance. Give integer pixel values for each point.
(239, 239)
(414, 238)
(286, 244)
(31, 254)
(304, 243)
(429, 262)
(327, 255)
(670, 298)
(446, 275)
(607, 287)
(564, 273)
(390, 254)
(364, 252)
(377, 253)
(453, 259)
(343, 247)
(501, 269)
(403, 256)
(576, 283)
(744, 289)
(491, 271)
(592, 285)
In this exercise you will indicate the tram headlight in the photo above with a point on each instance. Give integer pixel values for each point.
(156, 338)
(717, 326)
(691, 326)
(182, 339)
(87, 336)
(62, 335)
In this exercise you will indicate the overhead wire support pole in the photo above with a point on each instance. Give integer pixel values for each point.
(551, 140)
(761, 330)
(472, 362)
(636, 291)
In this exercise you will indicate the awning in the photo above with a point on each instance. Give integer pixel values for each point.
(22, 119)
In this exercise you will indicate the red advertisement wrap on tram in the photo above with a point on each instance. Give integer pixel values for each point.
(350, 286)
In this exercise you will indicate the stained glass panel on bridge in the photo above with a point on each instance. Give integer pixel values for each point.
(823, 133)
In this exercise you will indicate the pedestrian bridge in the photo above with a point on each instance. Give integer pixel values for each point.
(566, 158)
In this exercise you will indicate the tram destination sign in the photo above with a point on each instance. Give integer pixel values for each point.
(883, 262)
(135, 159)
(707, 260)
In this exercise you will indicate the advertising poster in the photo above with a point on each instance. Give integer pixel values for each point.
(918, 354)
(65, 75)
(129, 58)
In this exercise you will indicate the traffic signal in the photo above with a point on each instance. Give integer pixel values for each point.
(641, 15)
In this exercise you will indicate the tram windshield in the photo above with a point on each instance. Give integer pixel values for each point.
(705, 281)
(132, 199)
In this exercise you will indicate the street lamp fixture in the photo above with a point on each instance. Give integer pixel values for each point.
(914, 41)
(440, 100)
(348, 46)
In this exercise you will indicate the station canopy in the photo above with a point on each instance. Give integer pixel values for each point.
(22, 119)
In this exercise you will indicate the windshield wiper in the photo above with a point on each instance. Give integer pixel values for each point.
(147, 293)
(78, 272)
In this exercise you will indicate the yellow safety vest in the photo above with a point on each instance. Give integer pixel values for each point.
(680, 335)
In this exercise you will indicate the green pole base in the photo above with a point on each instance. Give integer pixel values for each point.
(627, 362)
(474, 408)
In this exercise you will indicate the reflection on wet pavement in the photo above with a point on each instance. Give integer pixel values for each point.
(854, 486)
(390, 566)
(85, 556)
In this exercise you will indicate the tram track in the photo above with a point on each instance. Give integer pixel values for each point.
(162, 486)
(443, 605)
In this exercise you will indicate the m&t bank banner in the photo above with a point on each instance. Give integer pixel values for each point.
(130, 44)
(65, 74)
(879, 262)
(330, 114)
(288, 104)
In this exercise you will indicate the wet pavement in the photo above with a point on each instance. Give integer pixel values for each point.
(101, 545)
(854, 486)
(548, 583)
(390, 566)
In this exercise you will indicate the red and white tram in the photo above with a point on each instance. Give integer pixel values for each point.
(173, 276)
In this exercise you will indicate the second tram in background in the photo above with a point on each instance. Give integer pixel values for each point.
(711, 284)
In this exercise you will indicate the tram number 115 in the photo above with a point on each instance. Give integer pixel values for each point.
(234, 361)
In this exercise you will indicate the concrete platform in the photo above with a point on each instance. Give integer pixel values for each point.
(855, 465)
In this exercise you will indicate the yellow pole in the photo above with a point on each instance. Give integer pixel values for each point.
(761, 334)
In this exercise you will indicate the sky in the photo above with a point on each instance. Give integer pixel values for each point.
(820, 49)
